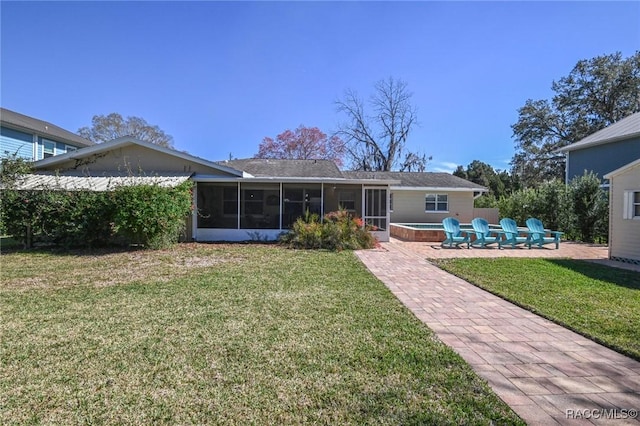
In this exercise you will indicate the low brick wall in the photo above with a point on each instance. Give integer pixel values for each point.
(419, 235)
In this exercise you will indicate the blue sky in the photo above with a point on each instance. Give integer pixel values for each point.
(220, 76)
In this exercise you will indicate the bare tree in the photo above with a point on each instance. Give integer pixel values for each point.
(377, 142)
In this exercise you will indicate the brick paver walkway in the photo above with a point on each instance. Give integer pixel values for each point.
(546, 373)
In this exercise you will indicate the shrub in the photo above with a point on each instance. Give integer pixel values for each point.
(307, 232)
(518, 206)
(12, 168)
(145, 214)
(338, 231)
(580, 209)
(152, 215)
(485, 201)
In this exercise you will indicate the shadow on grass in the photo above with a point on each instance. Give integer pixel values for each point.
(61, 251)
(115, 249)
(616, 276)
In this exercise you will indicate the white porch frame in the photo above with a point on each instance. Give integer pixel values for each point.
(239, 234)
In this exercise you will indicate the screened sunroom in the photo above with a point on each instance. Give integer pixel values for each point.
(257, 208)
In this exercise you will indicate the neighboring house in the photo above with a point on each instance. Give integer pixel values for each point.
(624, 213)
(258, 198)
(34, 139)
(605, 150)
(427, 197)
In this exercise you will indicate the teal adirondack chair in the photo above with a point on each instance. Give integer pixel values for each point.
(454, 235)
(539, 235)
(512, 235)
(484, 234)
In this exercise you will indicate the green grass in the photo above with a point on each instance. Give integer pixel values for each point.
(598, 301)
(221, 334)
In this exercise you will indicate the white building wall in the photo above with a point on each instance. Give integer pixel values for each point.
(624, 234)
(409, 207)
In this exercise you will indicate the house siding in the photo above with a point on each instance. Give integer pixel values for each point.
(624, 234)
(15, 142)
(22, 143)
(135, 159)
(602, 159)
(409, 207)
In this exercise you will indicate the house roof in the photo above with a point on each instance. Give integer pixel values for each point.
(262, 167)
(97, 183)
(623, 169)
(42, 128)
(125, 141)
(626, 128)
(420, 180)
(327, 169)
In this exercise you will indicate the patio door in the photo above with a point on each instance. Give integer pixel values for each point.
(376, 213)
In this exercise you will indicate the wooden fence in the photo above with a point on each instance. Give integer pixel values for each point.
(492, 215)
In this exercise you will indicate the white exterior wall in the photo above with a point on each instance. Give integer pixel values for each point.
(409, 207)
(624, 234)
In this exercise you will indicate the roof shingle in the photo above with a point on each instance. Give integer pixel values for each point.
(261, 167)
(419, 179)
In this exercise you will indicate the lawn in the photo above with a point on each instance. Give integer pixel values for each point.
(221, 334)
(598, 301)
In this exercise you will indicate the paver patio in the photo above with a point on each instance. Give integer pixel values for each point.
(546, 373)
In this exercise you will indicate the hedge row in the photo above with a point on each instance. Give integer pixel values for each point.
(579, 209)
(147, 215)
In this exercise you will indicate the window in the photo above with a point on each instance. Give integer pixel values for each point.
(631, 205)
(49, 148)
(391, 202)
(347, 200)
(436, 203)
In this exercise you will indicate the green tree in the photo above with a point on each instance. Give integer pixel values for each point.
(595, 94)
(590, 208)
(499, 182)
(107, 127)
(549, 204)
(510, 181)
(376, 141)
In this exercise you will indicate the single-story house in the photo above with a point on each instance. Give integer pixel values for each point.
(427, 197)
(605, 150)
(34, 139)
(239, 200)
(624, 213)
